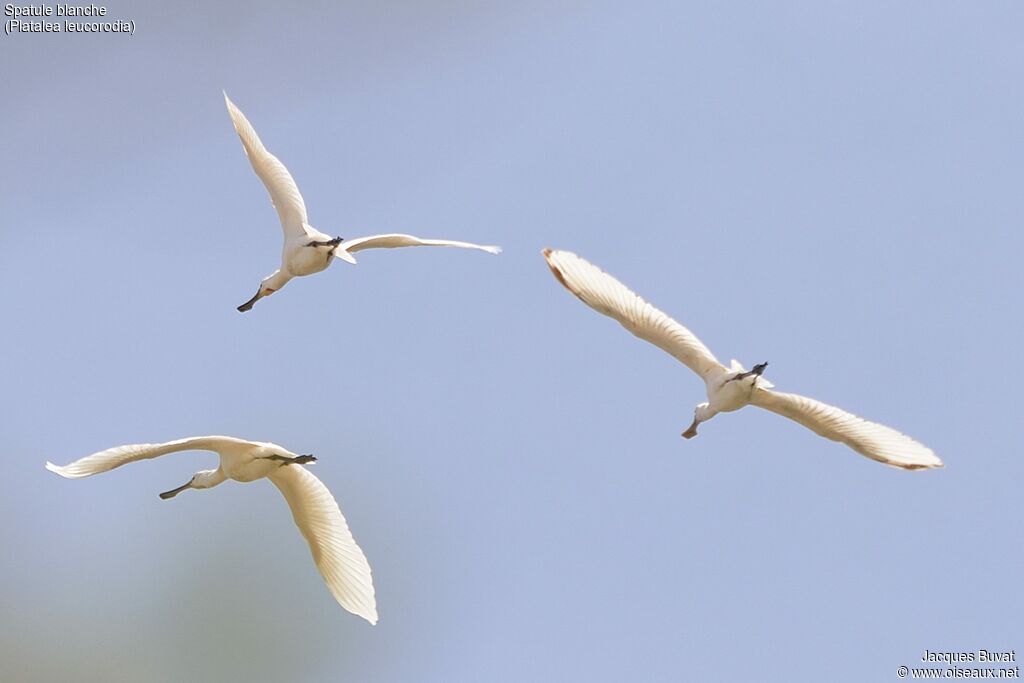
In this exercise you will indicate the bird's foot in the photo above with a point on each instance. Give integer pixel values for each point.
(757, 371)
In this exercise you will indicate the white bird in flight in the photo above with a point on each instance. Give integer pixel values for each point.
(731, 388)
(341, 562)
(306, 249)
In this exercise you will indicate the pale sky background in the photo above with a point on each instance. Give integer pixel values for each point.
(832, 187)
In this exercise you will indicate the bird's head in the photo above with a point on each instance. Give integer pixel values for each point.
(268, 286)
(204, 479)
(274, 282)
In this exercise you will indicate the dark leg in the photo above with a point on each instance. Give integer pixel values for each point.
(300, 460)
(758, 370)
(328, 243)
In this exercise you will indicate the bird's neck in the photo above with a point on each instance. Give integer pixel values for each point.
(276, 280)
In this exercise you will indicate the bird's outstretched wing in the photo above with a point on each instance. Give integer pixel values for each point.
(394, 240)
(605, 294)
(104, 461)
(876, 441)
(339, 559)
(284, 193)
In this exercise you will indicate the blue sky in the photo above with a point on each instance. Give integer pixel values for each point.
(833, 188)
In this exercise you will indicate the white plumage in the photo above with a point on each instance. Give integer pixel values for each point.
(340, 560)
(731, 388)
(306, 249)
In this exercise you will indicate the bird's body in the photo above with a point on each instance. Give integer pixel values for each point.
(298, 258)
(244, 463)
(726, 394)
(732, 388)
(307, 250)
(340, 560)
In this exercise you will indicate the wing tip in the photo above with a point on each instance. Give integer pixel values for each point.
(921, 465)
(552, 256)
(234, 113)
(549, 256)
(492, 249)
(922, 460)
(62, 471)
(364, 606)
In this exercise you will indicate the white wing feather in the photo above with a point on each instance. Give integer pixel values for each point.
(874, 440)
(395, 240)
(104, 461)
(606, 295)
(341, 562)
(284, 193)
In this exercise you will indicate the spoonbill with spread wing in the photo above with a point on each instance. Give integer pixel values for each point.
(339, 559)
(733, 387)
(306, 249)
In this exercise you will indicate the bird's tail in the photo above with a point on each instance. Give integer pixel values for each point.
(342, 253)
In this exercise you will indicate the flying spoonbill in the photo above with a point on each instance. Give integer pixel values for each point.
(731, 388)
(306, 249)
(339, 559)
